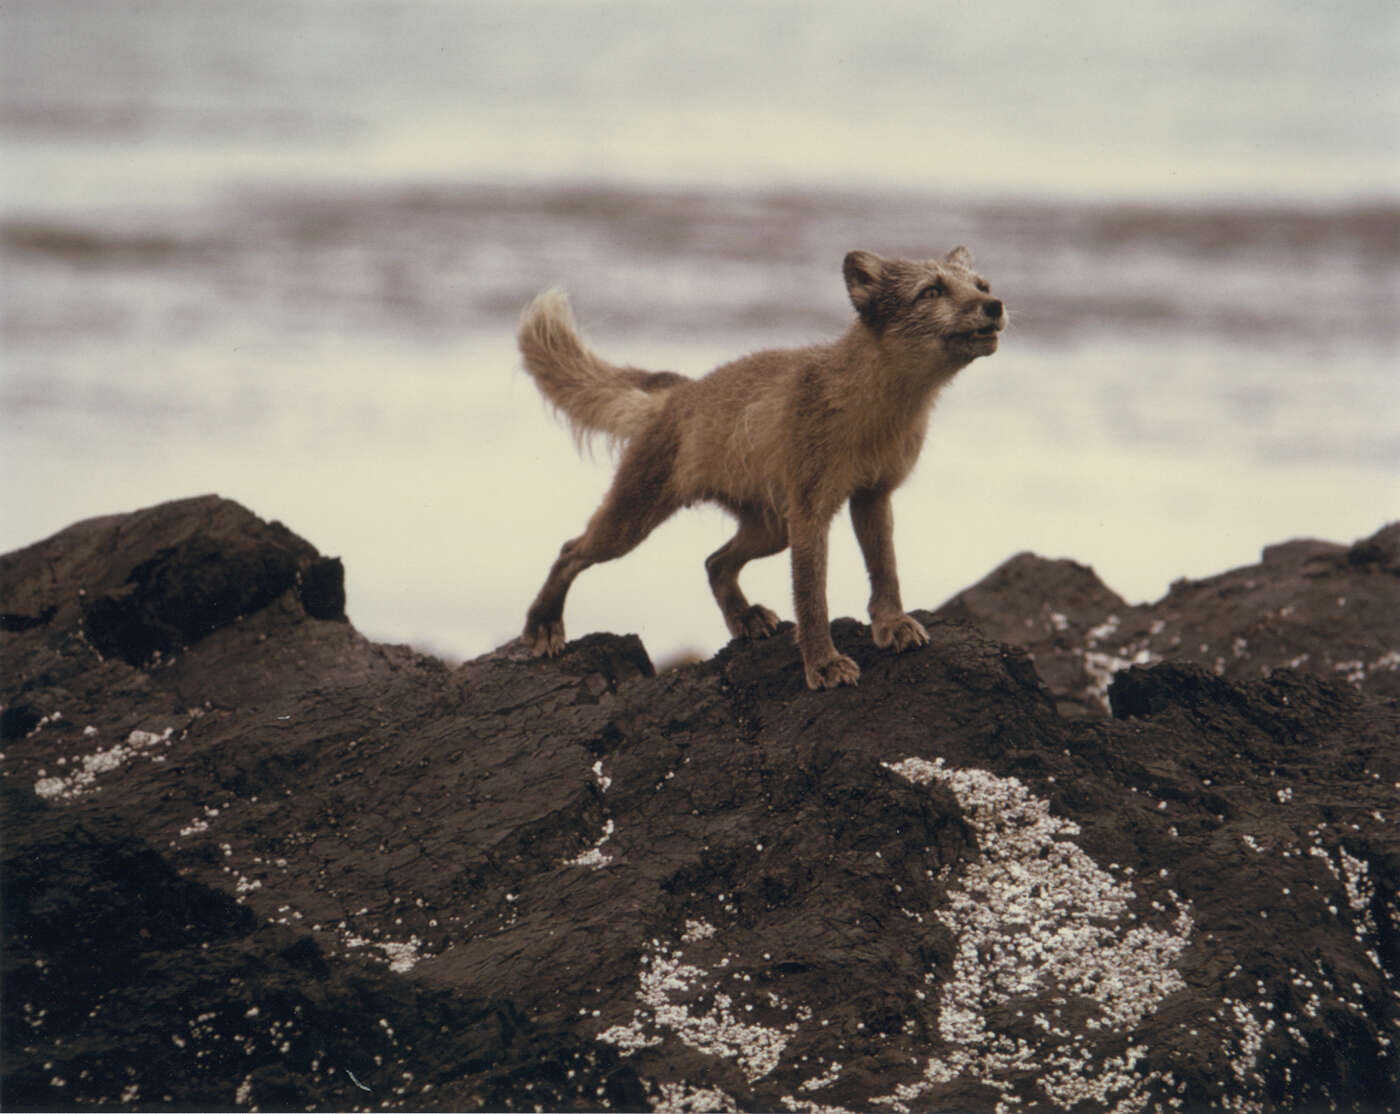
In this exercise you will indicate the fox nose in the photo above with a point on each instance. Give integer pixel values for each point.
(993, 309)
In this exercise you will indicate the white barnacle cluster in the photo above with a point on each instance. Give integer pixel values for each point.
(710, 1006)
(1253, 1025)
(1037, 920)
(673, 996)
(1069, 1085)
(1101, 664)
(808, 1106)
(826, 1079)
(90, 767)
(1052, 977)
(1354, 873)
(594, 858)
(697, 930)
(681, 1098)
(1358, 670)
(403, 955)
(1356, 877)
(630, 1037)
(1249, 1042)
(1037, 923)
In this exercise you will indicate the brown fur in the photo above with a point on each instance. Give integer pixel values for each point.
(780, 438)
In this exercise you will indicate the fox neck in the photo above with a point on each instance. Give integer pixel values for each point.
(905, 380)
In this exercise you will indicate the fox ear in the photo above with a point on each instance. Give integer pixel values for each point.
(959, 257)
(863, 271)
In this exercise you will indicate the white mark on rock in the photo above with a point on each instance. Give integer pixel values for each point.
(594, 858)
(92, 766)
(1036, 918)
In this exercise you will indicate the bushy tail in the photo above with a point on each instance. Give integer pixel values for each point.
(595, 396)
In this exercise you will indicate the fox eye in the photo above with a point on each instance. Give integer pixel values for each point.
(932, 290)
(984, 286)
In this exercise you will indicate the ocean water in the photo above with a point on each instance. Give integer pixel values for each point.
(277, 251)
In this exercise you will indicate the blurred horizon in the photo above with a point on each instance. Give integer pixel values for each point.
(1240, 100)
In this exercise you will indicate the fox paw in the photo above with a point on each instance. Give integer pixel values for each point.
(546, 640)
(836, 670)
(755, 623)
(903, 632)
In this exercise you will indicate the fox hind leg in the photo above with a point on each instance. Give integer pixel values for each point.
(758, 535)
(639, 501)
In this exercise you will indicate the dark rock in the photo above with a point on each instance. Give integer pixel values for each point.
(172, 996)
(1325, 609)
(11, 621)
(1054, 607)
(1380, 552)
(149, 584)
(18, 720)
(252, 859)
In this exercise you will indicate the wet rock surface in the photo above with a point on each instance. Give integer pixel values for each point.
(1074, 854)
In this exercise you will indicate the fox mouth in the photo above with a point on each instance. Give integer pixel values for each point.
(986, 332)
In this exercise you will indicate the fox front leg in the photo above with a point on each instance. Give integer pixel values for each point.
(824, 666)
(890, 626)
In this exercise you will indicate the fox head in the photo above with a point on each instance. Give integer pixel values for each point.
(938, 306)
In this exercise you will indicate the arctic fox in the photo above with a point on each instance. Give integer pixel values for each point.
(780, 438)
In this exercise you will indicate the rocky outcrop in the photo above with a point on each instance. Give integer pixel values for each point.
(1325, 609)
(1062, 858)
